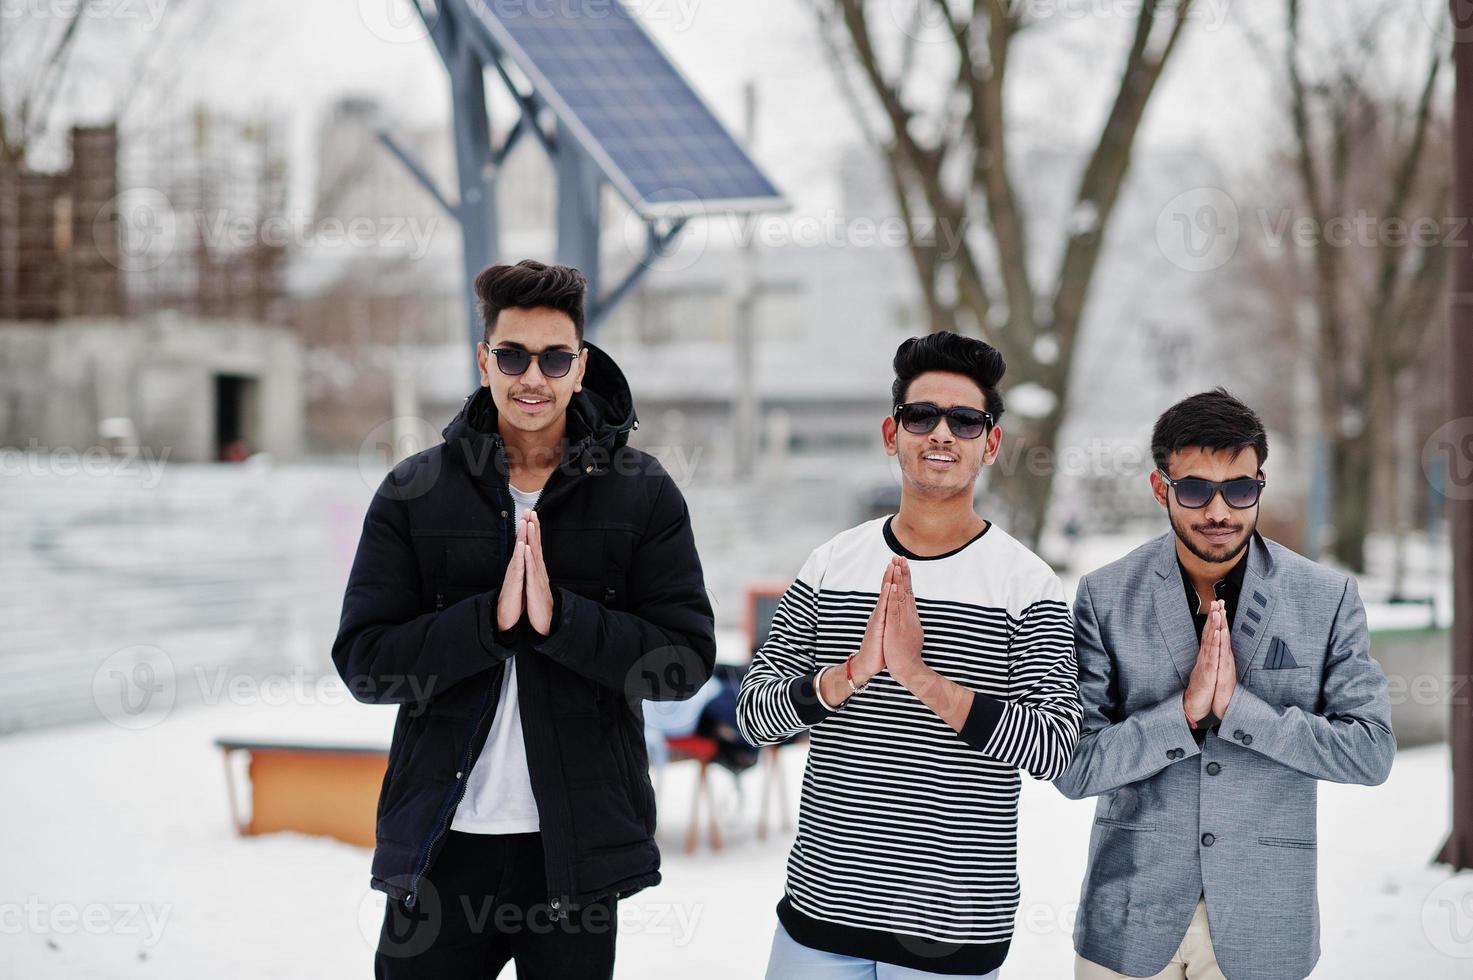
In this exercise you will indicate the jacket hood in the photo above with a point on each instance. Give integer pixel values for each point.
(600, 417)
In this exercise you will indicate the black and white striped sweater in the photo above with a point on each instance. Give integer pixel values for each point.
(906, 849)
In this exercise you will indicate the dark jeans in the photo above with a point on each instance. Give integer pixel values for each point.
(483, 904)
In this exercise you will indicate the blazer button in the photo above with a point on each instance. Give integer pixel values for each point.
(1238, 733)
(1207, 840)
(1171, 753)
(1178, 753)
(1247, 739)
(1213, 769)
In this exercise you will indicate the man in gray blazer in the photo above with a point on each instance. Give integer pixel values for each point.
(1222, 675)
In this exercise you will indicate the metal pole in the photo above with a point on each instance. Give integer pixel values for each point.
(578, 226)
(744, 340)
(476, 168)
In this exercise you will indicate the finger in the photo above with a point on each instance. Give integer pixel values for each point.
(514, 570)
(536, 543)
(880, 600)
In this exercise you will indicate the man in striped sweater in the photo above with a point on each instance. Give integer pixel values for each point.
(930, 656)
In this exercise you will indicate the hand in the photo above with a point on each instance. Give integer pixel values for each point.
(510, 603)
(1227, 669)
(870, 659)
(1202, 685)
(903, 634)
(539, 587)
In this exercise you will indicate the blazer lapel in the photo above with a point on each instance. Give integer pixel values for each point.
(1172, 615)
(1255, 606)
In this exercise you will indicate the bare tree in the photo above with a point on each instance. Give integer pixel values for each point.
(950, 161)
(1367, 181)
(39, 55)
(1458, 849)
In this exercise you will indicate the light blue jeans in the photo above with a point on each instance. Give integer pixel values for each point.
(791, 960)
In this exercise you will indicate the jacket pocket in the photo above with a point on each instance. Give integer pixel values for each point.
(635, 776)
(1287, 686)
(1124, 824)
(1286, 842)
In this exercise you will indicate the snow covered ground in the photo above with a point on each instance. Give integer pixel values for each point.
(118, 857)
(119, 860)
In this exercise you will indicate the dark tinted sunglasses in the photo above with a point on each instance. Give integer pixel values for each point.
(919, 418)
(552, 363)
(1195, 493)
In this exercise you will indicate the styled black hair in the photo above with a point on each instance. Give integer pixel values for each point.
(1212, 420)
(947, 351)
(527, 285)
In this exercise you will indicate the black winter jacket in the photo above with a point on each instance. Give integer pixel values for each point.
(631, 620)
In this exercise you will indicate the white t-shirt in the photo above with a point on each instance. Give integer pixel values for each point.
(498, 796)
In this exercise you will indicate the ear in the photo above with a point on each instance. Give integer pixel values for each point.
(483, 359)
(994, 443)
(1159, 488)
(889, 435)
(582, 367)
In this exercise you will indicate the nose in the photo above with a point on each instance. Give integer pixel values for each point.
(533, 375)
(1217, 511)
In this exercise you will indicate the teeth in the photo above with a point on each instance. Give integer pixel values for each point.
(948, 459)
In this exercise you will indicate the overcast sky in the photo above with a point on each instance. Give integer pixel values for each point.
(290, 59)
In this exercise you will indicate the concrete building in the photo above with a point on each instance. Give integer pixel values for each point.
(190, 387)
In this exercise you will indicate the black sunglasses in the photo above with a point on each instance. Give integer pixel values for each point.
(1195, 493)
(552, 363)
(919, 418)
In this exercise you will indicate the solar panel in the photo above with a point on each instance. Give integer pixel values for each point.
(627, 105)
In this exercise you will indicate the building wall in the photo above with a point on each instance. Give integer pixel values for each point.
(59, 380)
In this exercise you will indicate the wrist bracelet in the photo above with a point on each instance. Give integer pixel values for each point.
(849, 676)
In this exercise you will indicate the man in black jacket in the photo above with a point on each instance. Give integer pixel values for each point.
(518, 589)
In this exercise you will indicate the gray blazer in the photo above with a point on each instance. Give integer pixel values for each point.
(1233, 819)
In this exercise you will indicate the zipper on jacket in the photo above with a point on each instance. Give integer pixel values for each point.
(553, 856)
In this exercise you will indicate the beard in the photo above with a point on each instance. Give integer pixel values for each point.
(1215, 553)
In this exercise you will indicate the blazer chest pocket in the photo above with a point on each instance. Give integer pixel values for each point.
(1287, 686)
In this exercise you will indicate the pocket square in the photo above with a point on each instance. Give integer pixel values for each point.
(1279, 657)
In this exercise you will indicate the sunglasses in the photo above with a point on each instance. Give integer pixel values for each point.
(552, 363)
(919, 418)
(1195, 493)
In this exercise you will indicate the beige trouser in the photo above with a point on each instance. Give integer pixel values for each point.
(1194, 959)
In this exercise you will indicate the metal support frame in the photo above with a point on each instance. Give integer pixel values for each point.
(467, 53)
